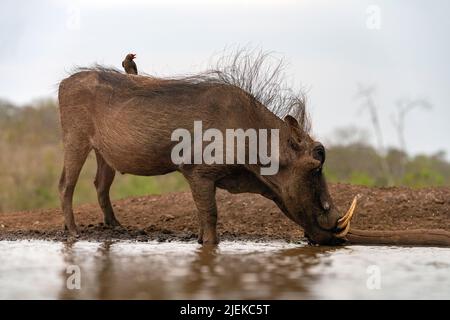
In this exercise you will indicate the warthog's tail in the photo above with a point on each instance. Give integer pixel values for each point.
(417, 237)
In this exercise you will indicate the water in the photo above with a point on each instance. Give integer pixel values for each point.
(275, 270)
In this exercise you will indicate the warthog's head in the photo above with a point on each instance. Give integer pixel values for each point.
(303, 190)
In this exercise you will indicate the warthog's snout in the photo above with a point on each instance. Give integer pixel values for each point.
(332, 226)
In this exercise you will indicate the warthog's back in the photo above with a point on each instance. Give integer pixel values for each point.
(130, 119)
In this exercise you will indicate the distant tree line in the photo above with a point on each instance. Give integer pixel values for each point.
(31, 159)
(359, 163)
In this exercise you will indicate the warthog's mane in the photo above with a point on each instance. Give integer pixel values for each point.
(259, 74)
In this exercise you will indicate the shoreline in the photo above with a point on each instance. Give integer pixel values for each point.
(242, 217)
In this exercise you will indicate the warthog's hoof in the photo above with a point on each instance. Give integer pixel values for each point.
(210, 242)
(72, 231)
(113, 224)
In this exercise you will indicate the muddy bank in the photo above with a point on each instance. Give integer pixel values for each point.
(241, 217)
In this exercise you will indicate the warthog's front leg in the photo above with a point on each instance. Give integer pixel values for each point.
(204, 194)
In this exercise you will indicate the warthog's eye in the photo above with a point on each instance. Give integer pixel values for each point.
(319, 153)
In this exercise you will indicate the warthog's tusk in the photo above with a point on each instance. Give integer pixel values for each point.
(344, 232)
(345, 220)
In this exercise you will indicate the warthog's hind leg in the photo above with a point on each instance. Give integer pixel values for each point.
(103, 180)
(75, 155)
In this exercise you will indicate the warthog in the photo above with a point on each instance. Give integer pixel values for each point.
(128, 121)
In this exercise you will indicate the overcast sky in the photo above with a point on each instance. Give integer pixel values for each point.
(402, 47)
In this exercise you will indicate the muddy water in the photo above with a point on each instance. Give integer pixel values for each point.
(276, 270)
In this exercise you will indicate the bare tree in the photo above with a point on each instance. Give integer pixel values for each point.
(403, 108)
(365, 93)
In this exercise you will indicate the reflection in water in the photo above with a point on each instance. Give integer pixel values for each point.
(275, 274)
(95, 265)
(127, 270)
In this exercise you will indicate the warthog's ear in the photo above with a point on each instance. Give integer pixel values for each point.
(294, 127)
(292, 122)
